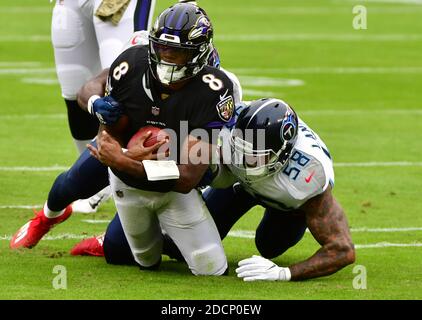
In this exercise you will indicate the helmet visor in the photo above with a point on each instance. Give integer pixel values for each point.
(249, 163)
(171, 55)
(172, 63)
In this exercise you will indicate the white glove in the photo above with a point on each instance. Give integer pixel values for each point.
(259, 268)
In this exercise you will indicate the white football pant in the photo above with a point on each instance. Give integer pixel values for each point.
(184, 217)
(84, 44)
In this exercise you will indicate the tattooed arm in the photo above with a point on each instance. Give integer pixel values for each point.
(328, 224)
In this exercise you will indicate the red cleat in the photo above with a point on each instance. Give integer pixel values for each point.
(32, 232)
(89, 247)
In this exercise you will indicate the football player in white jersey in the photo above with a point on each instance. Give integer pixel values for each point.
(281, 164)
(87, 36)
(270, 158)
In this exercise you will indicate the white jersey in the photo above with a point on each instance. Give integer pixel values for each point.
(84, 44)
(306, 174)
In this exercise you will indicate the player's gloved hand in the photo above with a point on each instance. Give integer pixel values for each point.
(106, 109)
(259, 268)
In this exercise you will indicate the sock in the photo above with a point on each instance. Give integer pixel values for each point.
(52, 214)
(81, 144)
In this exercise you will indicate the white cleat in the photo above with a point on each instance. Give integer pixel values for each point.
(91, 205)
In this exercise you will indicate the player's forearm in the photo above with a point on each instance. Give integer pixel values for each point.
(95, 86)
(329, 259)
(190, 176)
(135, 176)
(328, 224)
(130, 167)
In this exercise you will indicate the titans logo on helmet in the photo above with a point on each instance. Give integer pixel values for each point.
(288, 129)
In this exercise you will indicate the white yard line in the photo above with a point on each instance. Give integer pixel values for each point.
(16, 206)
(18, 71)
(259, 93)
(41, 81)
(380, 112)
(252, 81)
(329, 70)
(286, 10)
(62, 236)
(238, 234)
(385, 112)
(27, 38)
(318, 37)
(378, 164)
(35, 169)
(32, 116)
(338, 164)
(9, 64)
(265, 37)
(11, 68)
(387, 244)
(249, 234)
(328, 10)
(92, 221)
(26, 10)
(389, 1)
(376, 230)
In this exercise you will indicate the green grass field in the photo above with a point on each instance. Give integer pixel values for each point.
(360, 90)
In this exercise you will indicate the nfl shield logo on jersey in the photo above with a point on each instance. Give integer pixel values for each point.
(155, 111)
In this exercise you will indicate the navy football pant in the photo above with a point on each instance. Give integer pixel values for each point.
(85, 178)
(277, 231)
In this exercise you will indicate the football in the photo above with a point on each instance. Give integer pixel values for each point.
(157, 134)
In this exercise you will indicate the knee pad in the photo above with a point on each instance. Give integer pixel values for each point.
(210, 260)
(66, 34)
(149, 256)
(66, 28)
(71, 78)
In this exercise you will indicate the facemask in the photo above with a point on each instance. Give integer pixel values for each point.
(168, 73)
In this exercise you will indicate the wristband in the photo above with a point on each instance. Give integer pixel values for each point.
(91, 101)
(161, 170)
(285, 274)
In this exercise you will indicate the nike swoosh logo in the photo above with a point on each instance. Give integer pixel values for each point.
(308, 179)
(135, 40)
